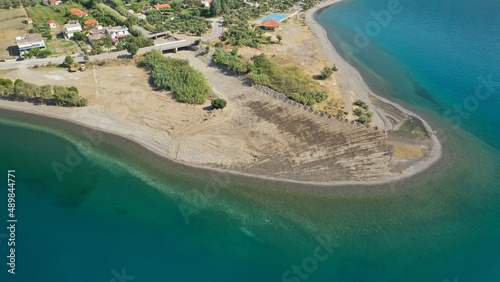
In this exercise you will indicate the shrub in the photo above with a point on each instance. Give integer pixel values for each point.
(18, 81)
(326, 72)
(197, 42)
(358, 111)
(219, 103)
(6, 82)
(68, 60)
(364, 119)
(362, 104)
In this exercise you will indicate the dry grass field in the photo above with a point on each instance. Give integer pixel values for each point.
(11, 25)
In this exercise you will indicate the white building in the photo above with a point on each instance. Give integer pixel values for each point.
(206, 3)
(53, 2)
(70, 29)
(117, 31)
(30, 41)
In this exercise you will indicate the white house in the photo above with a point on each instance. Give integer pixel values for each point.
(206, 2)
(51, 2)
(70, 29)
(52, 23)
(30, 41)
(117, 31)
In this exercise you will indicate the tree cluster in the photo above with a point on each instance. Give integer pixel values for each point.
(186, 83)
(362, 112)
(37, 52)
(184, 21)
(288, 80)
(55, 95)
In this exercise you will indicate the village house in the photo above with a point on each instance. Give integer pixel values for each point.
(206, 3)
(52, 23)
(91, 24)
(77, 12)
(270, 24)
(117, 32)
(30, 41)
(29, 20)
(70, 29)
(51, 2)
(162, 6)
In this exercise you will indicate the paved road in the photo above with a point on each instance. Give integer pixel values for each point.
(217, 30)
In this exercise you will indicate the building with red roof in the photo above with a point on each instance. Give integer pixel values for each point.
(91, 23)
(270, 24)
(162, 6)
(52, 23)
(77, 12)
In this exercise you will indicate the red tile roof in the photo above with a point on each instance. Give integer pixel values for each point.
(270, 23)
(162, 6)
(89, 22)
(77, 12)
(28, 19)
(51, 21)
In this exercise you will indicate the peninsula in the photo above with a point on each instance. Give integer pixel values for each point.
(261, 132)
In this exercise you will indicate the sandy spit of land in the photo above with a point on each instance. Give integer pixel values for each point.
(258, 136)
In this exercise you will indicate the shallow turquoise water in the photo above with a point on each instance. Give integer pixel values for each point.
(121, 208)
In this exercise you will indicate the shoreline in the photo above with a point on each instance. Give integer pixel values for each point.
(158, 162)
(353, 80)
(94, 120)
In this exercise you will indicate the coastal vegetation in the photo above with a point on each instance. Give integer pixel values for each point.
(364, 116)
(186, 83)
(47, 94)
(219, 103)
(288, 80)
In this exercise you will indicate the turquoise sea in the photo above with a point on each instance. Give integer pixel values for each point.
(119, 213)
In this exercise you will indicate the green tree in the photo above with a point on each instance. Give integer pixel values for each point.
(132, 49)
(7, 4)
(68, 60)
(16, 3)
(326, 72)
(45, 53)
(234, 51)
(45, 92)
(6, 82)
(86, 58)
(219, 103)
(364, 119)
(108, 41)
(215, 7)
(79, 36)
(279, 38)
(18, 81)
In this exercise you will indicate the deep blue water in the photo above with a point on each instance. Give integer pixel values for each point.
(120, 208)
(431, 54)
